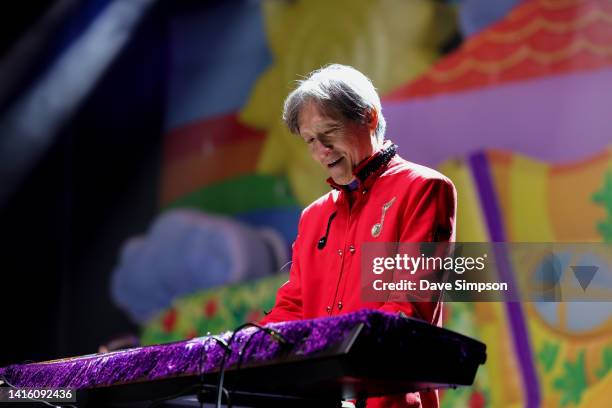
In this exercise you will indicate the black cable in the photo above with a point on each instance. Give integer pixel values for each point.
(224, 358)
(225, 346)
(225, 392)
(219, 341)
(271, 332)
(275, 334)
(202, 386)
(245, 348)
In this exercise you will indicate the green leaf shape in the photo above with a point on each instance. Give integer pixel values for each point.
(604, 197)
(606, 362)
(548, 355)
(572, 383)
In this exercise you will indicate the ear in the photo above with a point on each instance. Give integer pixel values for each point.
(372, 119)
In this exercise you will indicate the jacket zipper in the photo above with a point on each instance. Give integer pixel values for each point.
(342, 255)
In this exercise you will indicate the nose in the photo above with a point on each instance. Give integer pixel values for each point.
(320, 149)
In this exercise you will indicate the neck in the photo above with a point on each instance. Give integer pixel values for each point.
(373, 147)
(376, 145)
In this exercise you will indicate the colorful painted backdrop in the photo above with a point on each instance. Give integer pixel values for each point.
(518, 117)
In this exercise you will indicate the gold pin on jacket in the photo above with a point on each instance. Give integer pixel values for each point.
(377, 228)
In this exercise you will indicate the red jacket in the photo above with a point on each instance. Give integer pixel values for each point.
(326, 282)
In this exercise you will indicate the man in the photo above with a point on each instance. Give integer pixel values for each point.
(376, 196)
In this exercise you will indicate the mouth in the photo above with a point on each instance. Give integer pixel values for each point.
(334, 163)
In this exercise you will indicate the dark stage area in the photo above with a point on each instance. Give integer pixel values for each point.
(95, 185)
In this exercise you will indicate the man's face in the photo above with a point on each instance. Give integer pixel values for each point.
(338, 144)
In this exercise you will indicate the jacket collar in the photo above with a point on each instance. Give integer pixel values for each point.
(369, 169)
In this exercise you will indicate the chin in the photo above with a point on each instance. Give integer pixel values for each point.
(342, 181)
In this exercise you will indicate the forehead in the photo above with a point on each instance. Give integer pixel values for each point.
(314, 117)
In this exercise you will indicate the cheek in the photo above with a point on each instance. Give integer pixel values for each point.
(312, 151)
(315, 160)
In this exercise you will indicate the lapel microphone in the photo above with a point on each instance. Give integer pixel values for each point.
(323, 241)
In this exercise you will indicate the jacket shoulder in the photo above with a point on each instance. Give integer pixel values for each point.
(412, 172)
(320, 205)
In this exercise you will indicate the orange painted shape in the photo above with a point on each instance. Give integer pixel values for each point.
(187, 174)
(205, 136)
(573, 214)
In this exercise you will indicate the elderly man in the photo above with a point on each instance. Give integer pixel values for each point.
(376, 196)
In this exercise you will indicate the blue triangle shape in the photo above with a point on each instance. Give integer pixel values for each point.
(584, 274)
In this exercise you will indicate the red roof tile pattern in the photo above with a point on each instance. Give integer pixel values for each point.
(536, 39)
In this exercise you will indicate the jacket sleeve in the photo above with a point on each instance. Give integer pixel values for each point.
(288, 304)
(428, 216)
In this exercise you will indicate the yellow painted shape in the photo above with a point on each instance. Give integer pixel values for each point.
(470, 221)
(492, 327)
(500, 165)
(529, 215)
(391, 41)
(598, 395)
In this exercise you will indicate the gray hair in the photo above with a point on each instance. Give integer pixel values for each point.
(339, 88)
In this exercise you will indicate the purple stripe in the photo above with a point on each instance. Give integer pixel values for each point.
(493, 216)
